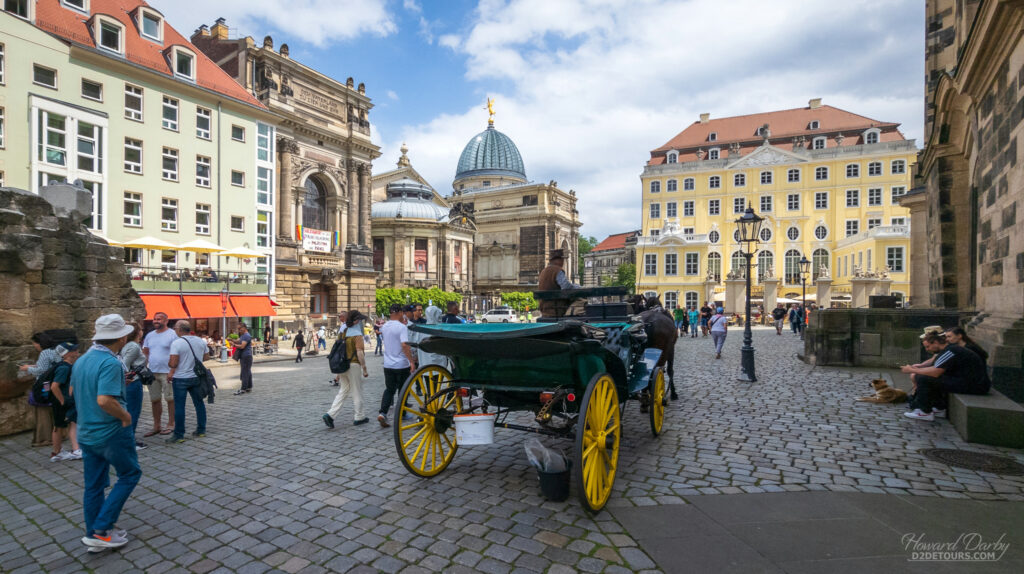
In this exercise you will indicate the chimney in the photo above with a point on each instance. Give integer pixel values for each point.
(204, 30)
(704, 118)
(220, 29)
(814, 103)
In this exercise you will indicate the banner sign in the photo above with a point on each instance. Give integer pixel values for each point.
(314, 239)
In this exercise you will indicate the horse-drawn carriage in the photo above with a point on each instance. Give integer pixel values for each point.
(574, 374)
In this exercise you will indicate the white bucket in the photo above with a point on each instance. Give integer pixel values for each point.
(474, 429)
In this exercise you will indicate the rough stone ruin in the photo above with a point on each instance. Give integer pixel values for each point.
(54, 274)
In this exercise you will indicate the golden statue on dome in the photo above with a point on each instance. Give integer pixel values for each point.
(490, 111)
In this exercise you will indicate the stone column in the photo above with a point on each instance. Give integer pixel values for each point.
(735, 296)
(399, 263)
(882, 286)
(771, 292)
(285, 229)
(353, 203)
(860, 289)
(364, 204)
(823, 292)
(709, 291)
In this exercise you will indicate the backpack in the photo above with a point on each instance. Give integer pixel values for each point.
(40, 394)
(338, 359)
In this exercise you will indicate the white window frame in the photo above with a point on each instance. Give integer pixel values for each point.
(896, 192)
(893, 167)
(824, 235)
(204, 114)
(654, 211)
(672, 185)
(898, 221)
(95, 141)
(165, 223)
(233, 128)
(671, 264)
(874, 169)
(767, 177)
(131, 91)
(2, 139)
(30, 12)
(893, 255)
(672, 157)
(650, 264)
(691, 263)
(789, 233)
(714, 236)
(874, 196)
(713, 137)
(814, 125)
(793, 202)
(3, 78)
(264, 142)
(201, 162)
(130, 166)
(820, 142)
(874, 222)
(821, 173)
(83, 9)
(131, 219)
(853, 198)
(689, 208)
(714, 182)
(766, 204)
(691, 296)
(765, 235)
(165, 154)
(714, 153)
(178, 52)
(264, 185)
(56, 77)
(739, 204)
(88, 97)
(141, 22)
(739, 180)
(852, 170)
(854, 225)
(873, 133)
(790, 173)
(203, 209)
(821, 200)
(170, 103)
(689, 184)
(264, 228)
(671, 209)
(714, 207)
(241, 173)
(98, 28)
(231, 223)
(655, 186)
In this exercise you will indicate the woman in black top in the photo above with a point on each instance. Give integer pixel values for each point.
(957, 336)
(299, 342)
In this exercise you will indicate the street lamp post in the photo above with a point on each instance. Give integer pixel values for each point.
(224, 322)
(805, 266)
(749, 225)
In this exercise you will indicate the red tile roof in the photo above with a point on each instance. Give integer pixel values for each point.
(73, 26)
(617, 241)
(784, 125)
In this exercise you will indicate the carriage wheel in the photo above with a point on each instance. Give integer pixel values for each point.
(598, 434)
(657, 393)
(424, 427)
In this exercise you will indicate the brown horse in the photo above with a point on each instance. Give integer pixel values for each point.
(661, 334)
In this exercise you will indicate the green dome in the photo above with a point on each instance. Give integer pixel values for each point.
(490, 152)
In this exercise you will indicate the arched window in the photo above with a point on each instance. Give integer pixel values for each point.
(818, 258)
(819, 142)
(793, 175)
(715, 266)
(673, 157)
(766, 177)
(714, 182)
(792, 267)
(765, 259)
(739, 180)
(738, 263)
(655, 186)
(688, 184)
(672, 185)
(691, 300)
(871, 138)
(314, 205)
(671, 300)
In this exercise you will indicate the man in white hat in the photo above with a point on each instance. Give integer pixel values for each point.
(105, 433)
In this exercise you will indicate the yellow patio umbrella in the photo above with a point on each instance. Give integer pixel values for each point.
(200, 246)
(149, 242)
(240, 252)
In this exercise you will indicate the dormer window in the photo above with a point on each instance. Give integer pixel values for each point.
(713, 153)
(151, 24)
(184, 63)
(109, 34)
(871, 136)
(20, 8)
(673, 157)
(713, 137)
(813, 125)
(77, 5)
(818, 143)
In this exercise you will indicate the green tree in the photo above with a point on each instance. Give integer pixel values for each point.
(583, 246)
(625, 276)
(409, 295)
(519, 302)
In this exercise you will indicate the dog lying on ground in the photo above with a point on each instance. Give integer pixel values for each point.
(884, 393)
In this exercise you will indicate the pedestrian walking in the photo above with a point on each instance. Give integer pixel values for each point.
(778, 316)
(133, 358)
(718, 325)
(705, 317)
(399, 361)
(679, 316)
(185, 351)
(157, 348)
(63, 404)
(380, 338)
(243, 352)
(104, 433)
(694, 318)
(299, 342)
(350, 341)
(321, 337)
(342, 321)
(266, 333)
(794, 325)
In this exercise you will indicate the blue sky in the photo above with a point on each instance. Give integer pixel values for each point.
(586, 88)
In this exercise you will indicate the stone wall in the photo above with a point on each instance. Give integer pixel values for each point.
(884, 338)
(54, 274)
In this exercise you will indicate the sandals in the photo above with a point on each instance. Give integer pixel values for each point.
(152, 432)
(167, 431)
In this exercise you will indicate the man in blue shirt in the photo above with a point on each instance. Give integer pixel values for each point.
(105, 433)
(243, 346)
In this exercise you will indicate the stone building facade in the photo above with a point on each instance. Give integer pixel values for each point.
(601, 264)
(323, 260)
(972, 170)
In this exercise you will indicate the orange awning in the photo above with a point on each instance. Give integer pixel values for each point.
(252, 306)
(170, 304)
(206, 306)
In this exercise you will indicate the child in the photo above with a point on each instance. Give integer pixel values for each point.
(62, 402)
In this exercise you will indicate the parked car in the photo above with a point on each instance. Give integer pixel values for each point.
(500, 315)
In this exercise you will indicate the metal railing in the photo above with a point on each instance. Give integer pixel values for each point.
(881, 231)
(196, 280)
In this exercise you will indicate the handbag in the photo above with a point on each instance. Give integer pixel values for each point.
(145, 375)
(198, 369)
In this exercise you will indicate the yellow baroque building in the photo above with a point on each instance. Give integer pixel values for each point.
(826, 181)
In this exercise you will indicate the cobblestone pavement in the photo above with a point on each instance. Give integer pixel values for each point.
(271, 489)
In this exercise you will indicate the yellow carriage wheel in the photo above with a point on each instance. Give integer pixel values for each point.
(424, 427)
(598, 435)
(657, 393)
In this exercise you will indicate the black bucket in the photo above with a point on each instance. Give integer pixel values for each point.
(555, 485)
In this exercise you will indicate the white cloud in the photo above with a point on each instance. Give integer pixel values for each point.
(391, 95)
(589, 87)
(319, 22)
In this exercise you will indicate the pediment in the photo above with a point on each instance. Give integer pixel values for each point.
(766, 155)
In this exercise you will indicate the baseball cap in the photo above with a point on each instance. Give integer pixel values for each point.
(65, 348)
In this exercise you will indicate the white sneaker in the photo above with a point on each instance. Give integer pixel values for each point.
(919, 415)
(75, 454)
(110, 540)
(62, 455)
(941, 413)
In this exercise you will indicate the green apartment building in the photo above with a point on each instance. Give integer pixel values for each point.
(179, 158)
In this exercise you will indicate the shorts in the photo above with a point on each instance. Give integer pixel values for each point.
(161, 387)
(778, 323)
(60, 419)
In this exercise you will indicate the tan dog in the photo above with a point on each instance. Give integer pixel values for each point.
(884, 393)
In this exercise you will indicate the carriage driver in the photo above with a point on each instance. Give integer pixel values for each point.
(553, 278)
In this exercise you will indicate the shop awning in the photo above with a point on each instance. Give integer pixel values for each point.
(170, 304)
(206, 306)
(252, 306)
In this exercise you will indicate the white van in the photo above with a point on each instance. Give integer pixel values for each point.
(500, 315)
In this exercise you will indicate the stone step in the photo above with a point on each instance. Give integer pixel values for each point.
(991, 419)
